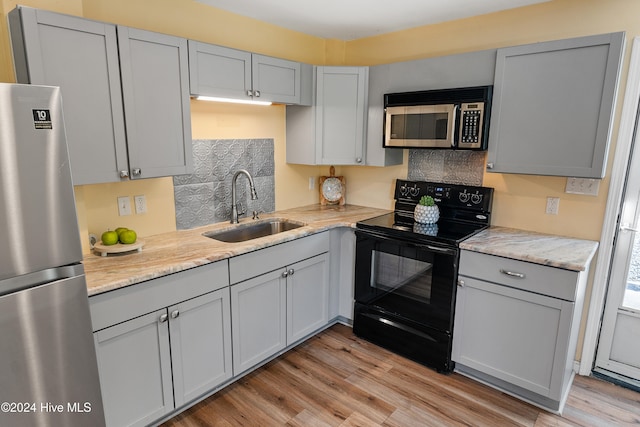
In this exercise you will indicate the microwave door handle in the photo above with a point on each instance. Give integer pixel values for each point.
(453, 125)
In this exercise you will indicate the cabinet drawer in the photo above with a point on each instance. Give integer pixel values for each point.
(255, 263)
(117, 306)
(551, 281)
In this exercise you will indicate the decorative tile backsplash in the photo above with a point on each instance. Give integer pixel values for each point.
(448, 166)
(204, 197)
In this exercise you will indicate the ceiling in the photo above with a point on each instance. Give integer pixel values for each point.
(354, 19)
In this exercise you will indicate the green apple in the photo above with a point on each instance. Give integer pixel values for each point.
(127, 237)
(109, 238)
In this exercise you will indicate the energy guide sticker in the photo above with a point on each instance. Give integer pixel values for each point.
(42, 119)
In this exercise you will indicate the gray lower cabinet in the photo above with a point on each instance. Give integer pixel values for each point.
(276, 300)
(258, 308)
(307, 297)
(219, 71)
(200, 331)
(553, 106)
(117, 73)
(277, 309)
(134, 361)
(516, 326)
(154, 363)
(333, 130)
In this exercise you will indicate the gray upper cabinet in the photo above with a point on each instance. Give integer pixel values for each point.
(332, 131)
(553, 106)
(155, 87)
(223, 72)
(81, 57)
(86, 58)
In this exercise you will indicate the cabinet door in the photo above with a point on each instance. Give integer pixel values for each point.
(258, 310)
(81, 57)
(307, 297)
(516, 336)
(155, 85)
(276, 80)
(219, 71)
(341, 97)
(135, 370)
(553, 106)
(200, 345)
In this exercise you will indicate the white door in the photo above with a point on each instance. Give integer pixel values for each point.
(618, 353)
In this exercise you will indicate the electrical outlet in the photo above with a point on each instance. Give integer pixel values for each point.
(312, 183)
(553, 204)
(124, 205)
(141, 204)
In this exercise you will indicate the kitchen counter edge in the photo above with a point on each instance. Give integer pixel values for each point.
(546, 249)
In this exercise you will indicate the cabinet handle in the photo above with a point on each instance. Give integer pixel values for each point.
(490, 165)
(175, 314)
(358, 159)
(163, 318)
(285, 274)
(460, 283)
(249, 93)
(291, 271)
(124, 174)
(513, 274)
(256, 93)
(136, 172)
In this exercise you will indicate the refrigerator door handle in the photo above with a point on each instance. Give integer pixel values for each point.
(18, 283)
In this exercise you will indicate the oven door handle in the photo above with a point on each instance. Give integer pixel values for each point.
(377, 236)
(437, 249)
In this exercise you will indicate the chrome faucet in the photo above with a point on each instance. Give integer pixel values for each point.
(234, 203)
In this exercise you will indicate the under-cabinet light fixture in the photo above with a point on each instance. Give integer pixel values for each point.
(231, 100)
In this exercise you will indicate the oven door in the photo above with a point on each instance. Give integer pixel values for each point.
(414, 282)
(420, 126)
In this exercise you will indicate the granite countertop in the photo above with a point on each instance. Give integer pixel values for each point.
(546, 249)
(176, 251)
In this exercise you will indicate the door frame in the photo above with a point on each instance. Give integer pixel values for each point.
(626, 133)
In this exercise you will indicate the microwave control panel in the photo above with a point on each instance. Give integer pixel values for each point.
(471, 124)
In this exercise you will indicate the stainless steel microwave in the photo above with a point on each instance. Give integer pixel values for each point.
(446, 118)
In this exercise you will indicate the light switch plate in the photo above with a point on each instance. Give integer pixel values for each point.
(124, 205)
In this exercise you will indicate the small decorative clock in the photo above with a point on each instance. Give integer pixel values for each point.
(332, 189)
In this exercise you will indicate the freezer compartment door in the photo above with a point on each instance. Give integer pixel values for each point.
(38, 222)
(49, 370)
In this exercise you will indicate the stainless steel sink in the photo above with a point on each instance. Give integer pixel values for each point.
(253, 230)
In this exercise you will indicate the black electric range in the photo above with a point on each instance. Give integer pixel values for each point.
(406, 272)
(464, 211)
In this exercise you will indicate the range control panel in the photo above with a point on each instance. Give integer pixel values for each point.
(445, 195)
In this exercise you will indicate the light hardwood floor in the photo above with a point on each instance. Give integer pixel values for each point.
(337, 379)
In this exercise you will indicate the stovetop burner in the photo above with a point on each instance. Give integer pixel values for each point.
(464, 211)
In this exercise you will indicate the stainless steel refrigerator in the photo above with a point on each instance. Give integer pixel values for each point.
(48, 368)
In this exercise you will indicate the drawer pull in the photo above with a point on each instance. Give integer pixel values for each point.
(512, 274)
